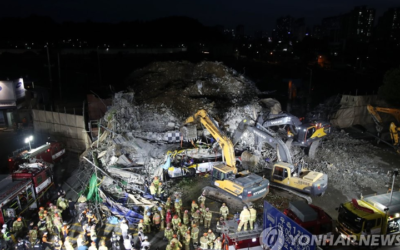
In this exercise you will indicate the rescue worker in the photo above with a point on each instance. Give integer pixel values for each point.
(93, 234)
(202, 199)
(218, 244)
(37, 245)
(195, 234)
(45, 242)
(211, 238)
(147, 223)
(253, 216)
(168, 233)
(182, 228)
(202, 213)
(195, 207)
(145, 243)
(152, 189)
(64, 230)
(127, 243)
(55, 211)
(244, 219)
(22, 244)
(176, 241)
(81, 240)
(178, 206)
(124, 229)
(93, 246)
(156, 183)
(170, 246)
(207, 218)
(82, 217)
(175, 222)
(115, 241)
(141, 225)
(160, 191)
(49, 223)
(140, 237)
(33, 234)
(18, 226)
(162, 216)
(204, 241)
(57, 224)
(41, 211)
(224, 211)
(186, 240)
(186, 217)
(168, 203)
(7, 237)
(168, 218)
(157, 220)
(57, 244)
(102, 245)
(62, 204)
(41, 226)
(91, 218)
(196, 217)
(68, 244)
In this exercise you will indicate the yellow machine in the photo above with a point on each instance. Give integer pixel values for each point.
(244, 186)
(284, 175)
(393, 129)
(360, 220)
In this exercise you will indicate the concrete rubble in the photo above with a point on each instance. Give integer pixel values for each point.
(143, 124)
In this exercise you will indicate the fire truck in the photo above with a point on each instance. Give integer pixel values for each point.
(16, 198)
(49, 154)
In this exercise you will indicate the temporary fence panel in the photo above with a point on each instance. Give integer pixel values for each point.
(353, 110)
(70, 127)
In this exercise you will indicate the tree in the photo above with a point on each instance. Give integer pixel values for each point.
(390, 90)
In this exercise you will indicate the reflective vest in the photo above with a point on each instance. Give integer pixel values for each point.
(176, 221)
(152, 190)
(204, 242)
(208, 215)
(185, 218)
(103, 248)
(156, 219)
(245, 215)
(217, 244)
(183, 229)
(253, 214)
(224, 210)
(168, 233)
(202, 199)
(7, 236)
(178, 204)
(211, 237)
(195, 233)
(196, 216)
(187, 239)
(156, 183)
(194, 207)
(168, 204)
(146, 220)
(33, 234)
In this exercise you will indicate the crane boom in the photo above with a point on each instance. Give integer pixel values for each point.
(222, 139)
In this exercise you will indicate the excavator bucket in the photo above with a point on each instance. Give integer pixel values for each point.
(189, 132)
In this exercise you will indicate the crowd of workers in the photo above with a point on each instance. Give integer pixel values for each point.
(181, 227)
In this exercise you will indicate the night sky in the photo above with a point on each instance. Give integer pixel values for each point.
(255, 15)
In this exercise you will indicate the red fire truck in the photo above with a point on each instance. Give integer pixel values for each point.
(310, 217)
(16, 197)
(49, 154)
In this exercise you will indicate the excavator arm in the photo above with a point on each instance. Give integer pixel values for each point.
(377, 118)
(223, 140)
(263, 136)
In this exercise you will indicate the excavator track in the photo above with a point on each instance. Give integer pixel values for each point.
(301, 195)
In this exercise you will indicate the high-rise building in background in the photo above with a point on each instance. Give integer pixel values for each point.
(358, 24)
(332, 28)
(388, 27)
(299, 29)
(317, 32)
(289, 28)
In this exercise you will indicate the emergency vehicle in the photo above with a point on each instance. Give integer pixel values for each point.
(16, 197)
(310, 217)
(49, 154)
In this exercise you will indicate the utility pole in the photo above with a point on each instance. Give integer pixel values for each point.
(49, 66)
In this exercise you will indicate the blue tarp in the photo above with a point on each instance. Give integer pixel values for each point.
(167, 164)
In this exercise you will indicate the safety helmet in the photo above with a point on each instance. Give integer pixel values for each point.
(244, 207)
(64, 223)
(175, 236)
(223, 204)
(141, 221)
(160, 183)
(186, 211)
(45, 233)
(146, 208)
(177, 200)
(148, 214)
(4, 225)
(205, 234)
(45, 211)
(207, 209)
(169, 210)
(41, 208)
(193, 202)
(93, 243)
(194, 225)
(19, 219)
(218, 238)
(209, 231)
(180, 224)
(156, 178)
(198, 211)
(169, 198)
(3, 231)
(159, 208)
(175, 216)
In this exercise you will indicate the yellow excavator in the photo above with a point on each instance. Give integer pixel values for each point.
(393, 129)
(227, 182)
